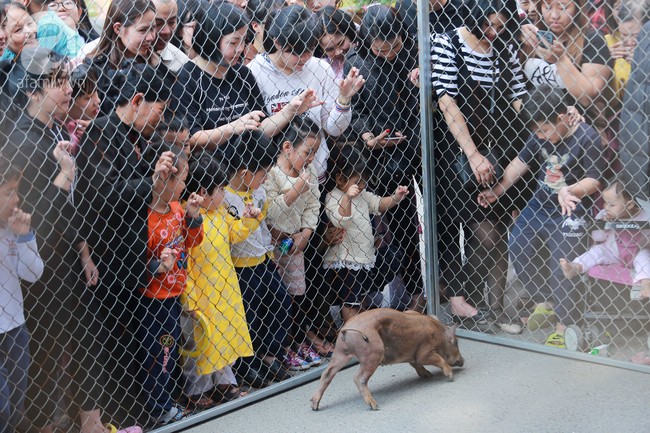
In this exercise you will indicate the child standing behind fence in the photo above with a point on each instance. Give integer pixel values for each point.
(20, 261)
(172, 231)
(626, 247)
(213, 292)
(294, 206)
(349, 206)
(265, 297)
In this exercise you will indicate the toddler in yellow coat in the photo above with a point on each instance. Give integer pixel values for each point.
(217, 320)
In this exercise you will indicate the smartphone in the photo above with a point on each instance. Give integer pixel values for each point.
(546, 35)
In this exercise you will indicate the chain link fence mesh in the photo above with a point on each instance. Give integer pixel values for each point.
(194, 195)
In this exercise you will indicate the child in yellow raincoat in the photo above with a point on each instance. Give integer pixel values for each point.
(217, 321)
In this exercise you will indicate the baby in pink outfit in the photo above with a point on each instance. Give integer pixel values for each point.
(629, 248)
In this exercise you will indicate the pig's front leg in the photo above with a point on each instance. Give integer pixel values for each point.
(439, 361)
(421, 371)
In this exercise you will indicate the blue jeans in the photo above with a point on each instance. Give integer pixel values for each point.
(538, 229)
(158, 332)
(14, 366)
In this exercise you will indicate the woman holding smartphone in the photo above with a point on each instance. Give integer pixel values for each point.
(390, 133)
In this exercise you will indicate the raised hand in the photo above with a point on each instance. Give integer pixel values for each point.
(19, 222)
(305, 101)
(350, 85)
(247, 122)
(193, 207)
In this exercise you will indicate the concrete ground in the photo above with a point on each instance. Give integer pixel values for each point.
(500, 389)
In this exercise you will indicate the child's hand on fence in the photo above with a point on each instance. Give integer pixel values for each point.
(20, 222)
(251, 212)
(63, 156)
(302, 185)
(487, 197)
(193, 207)
(350, 86)
(305, 101)
(164, 168)
(167, 260)
(568, 201)
(91, 272)
(400, 194)
(353, 191)
(414, 77)
(573, 115)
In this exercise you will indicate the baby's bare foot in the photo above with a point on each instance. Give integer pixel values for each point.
(645, 289)
(569, 269)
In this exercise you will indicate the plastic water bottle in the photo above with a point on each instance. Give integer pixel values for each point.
(285, 245)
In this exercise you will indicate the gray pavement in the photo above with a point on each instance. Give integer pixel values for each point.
(500, 389)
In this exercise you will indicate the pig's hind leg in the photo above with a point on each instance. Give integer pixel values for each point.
(367, 367)
(338, 361)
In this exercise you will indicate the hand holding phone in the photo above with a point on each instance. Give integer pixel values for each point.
(546, 35)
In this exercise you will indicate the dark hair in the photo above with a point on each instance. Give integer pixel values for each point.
(84, 79)
(259, 10)
(126, 12)
(619, 189)
(294, 28)
(213, 22)
(206, 172)
(381, 22)
(346, 161)
(8, 171)
(480, 10)
(543, 105)
(334, 21)
(297, 131)
(174, 124)
(141, 78)
(252, 150)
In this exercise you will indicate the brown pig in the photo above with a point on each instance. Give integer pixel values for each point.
(385, 336)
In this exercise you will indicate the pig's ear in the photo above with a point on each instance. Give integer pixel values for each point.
(450, 332)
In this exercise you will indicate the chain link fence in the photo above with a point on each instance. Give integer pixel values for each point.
(194, 196)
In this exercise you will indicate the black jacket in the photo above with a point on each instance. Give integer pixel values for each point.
(113, 193)
(388, 100)
(635, 121)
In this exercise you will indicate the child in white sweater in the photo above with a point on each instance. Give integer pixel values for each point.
(20, 261)
(349, 206)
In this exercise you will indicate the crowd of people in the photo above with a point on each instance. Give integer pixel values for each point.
(186, 194)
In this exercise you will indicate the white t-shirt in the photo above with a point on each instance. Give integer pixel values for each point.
(279, 88)
(259, 242)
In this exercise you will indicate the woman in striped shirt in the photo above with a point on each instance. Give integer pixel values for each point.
(478, 83)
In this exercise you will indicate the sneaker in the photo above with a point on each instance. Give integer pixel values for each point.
(542, 317)
(556, 340)
(510, 328)
(176, 413)
(310, 355)
(294, 362)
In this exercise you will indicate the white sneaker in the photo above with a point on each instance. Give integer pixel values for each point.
(510, 328)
